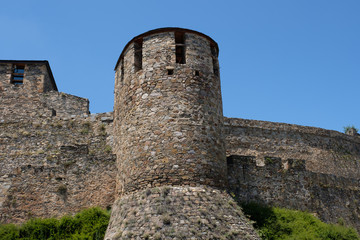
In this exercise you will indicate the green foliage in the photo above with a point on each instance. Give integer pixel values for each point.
(108, 149)
(284, 224)
(349, 127)
(88, 224)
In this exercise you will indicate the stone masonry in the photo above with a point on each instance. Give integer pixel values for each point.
(166, 160)
(168, 133)
(34, 93)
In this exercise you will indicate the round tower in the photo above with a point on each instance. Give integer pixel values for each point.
(168, 111)
(169, 143)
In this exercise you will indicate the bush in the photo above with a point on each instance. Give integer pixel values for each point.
(88, 224)
(350, 128)
(280, 223)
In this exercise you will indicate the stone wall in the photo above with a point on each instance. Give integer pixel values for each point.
(51, 167)
(324, 151)
(287, 183)
(17, 104)
(36, 97)
(37, 78)
(66, 105)
(185, 212)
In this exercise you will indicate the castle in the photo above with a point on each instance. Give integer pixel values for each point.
(166, 161)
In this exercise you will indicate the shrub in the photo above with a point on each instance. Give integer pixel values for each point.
(88, 224)
(349, 128)
(280, 223)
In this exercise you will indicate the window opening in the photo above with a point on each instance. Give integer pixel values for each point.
(17, 77)
(215, 60)
(170, 71)
(197, 73)
(180, 47)
(138, 54)
(122, 71)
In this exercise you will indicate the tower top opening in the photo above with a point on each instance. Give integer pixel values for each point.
(167, 29)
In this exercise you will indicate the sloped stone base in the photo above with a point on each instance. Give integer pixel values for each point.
(178, 213)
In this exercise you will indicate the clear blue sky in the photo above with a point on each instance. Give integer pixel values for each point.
(281, 60)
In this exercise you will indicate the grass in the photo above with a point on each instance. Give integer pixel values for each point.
(88, 224)
(284, 224)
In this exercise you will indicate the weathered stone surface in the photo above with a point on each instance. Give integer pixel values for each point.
(324, 151)
(37, 96)
(178, 213)
(288, 184)
(51, 167)
(162, 121)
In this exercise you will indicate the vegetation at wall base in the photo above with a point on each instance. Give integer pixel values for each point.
(271, 223)
(89, 224)
(275, 223)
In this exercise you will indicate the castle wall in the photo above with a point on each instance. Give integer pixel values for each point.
(324, 151)
(18, 104)
(65, 105)
(287, 183)
(37, 78)
(52, 167)
(36, 97)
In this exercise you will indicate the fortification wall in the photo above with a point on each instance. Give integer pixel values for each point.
(287, 183)
(18, 104)
(65, 105)
(36, 78)
(51, 167)
(324, 151)
(36, 96)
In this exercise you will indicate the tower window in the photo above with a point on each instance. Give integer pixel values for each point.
(180, 47)
(138, 54)
(215, 60)
(17, 76)
(122, 71)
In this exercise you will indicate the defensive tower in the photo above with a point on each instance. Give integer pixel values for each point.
(168, 132)
(168, 111)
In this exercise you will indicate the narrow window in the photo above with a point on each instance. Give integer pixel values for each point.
(122, 71)
(170, 71)
(197, 73)
(138, 54)
(17, 76)
(180, 47)
(215, 60)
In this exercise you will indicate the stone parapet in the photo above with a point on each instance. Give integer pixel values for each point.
(324, 151)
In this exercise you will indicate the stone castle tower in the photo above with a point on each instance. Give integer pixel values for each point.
(168, 131)
(168, 111)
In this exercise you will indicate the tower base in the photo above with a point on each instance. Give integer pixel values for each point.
(178, 213)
